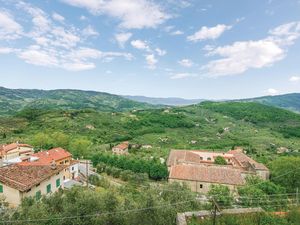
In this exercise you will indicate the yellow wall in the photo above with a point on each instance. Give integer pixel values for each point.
(14, 197)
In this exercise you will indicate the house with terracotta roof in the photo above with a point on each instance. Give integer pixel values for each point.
(61, 157)
(121, 149)
(18, 181)
(15, 150)
(197, 169)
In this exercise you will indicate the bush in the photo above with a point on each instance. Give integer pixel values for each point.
(220, 160)
(153, 168)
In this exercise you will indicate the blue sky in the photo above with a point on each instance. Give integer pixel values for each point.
(193, 49)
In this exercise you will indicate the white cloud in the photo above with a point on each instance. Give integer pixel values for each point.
(139, 44)
(58, 46)
(286, 34)
(38, 57)
(151, 61)
(133, 14)
(82, 18)
(209, 33)
(58, 17)
(122, 38)
(9, 28)
(182, 76)
(239, 57)
(177, 32)
(294, 78)
(272, 91)
(89, 31)
(64, 38)
(5, 50)
(186, 62)
(161, 52)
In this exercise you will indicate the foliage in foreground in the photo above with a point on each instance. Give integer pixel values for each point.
(252, 219)
(126, 206)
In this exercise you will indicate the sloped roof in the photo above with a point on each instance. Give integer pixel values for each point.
(22, 177)
(243, 159)
(123, 145)
(56, 154)
(209, 174)
(12, 146)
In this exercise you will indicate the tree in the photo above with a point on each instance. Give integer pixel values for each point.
(79, 147)
(220, 160)
(258, 192)
(60, 139)
(285, 171)
(42, 141)
(221, 194)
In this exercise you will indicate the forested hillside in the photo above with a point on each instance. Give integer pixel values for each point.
(260, 129)
(13, 100)
(287, 101)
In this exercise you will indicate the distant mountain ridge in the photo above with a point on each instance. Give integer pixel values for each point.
(164, 101)
(14, 100)
(286, 101)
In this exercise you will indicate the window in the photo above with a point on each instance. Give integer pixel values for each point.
(201, 185)
(1, 188)
(72, 168)
(209, 159)
(48, 188)
(38, 195)
(201, 158)
(57, 182)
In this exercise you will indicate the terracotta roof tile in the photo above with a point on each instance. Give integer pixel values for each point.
(22, 177)
(6, 148)
(123, 145)
(243, 159)
(210, 174)
(56, 154)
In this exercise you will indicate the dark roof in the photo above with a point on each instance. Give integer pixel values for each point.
(22, 177)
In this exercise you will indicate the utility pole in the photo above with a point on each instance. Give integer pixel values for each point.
(216, 207)
(87, 173)
(297, 196)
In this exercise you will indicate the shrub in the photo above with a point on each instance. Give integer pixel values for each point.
(220, 160)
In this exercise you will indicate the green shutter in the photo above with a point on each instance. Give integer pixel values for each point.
(48, 188)
(57, 182)
(38, 195)
(1, 188)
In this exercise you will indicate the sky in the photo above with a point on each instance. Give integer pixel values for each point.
(208, 49)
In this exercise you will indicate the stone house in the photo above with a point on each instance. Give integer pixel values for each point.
(197, 169)
(121, 149)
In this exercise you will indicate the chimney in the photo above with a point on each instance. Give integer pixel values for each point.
(53, 165)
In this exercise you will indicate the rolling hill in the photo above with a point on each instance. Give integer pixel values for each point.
(14, 100)
(287, 101)
(259, 128)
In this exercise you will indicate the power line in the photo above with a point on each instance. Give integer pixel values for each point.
(99, 214)
(122, 211)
